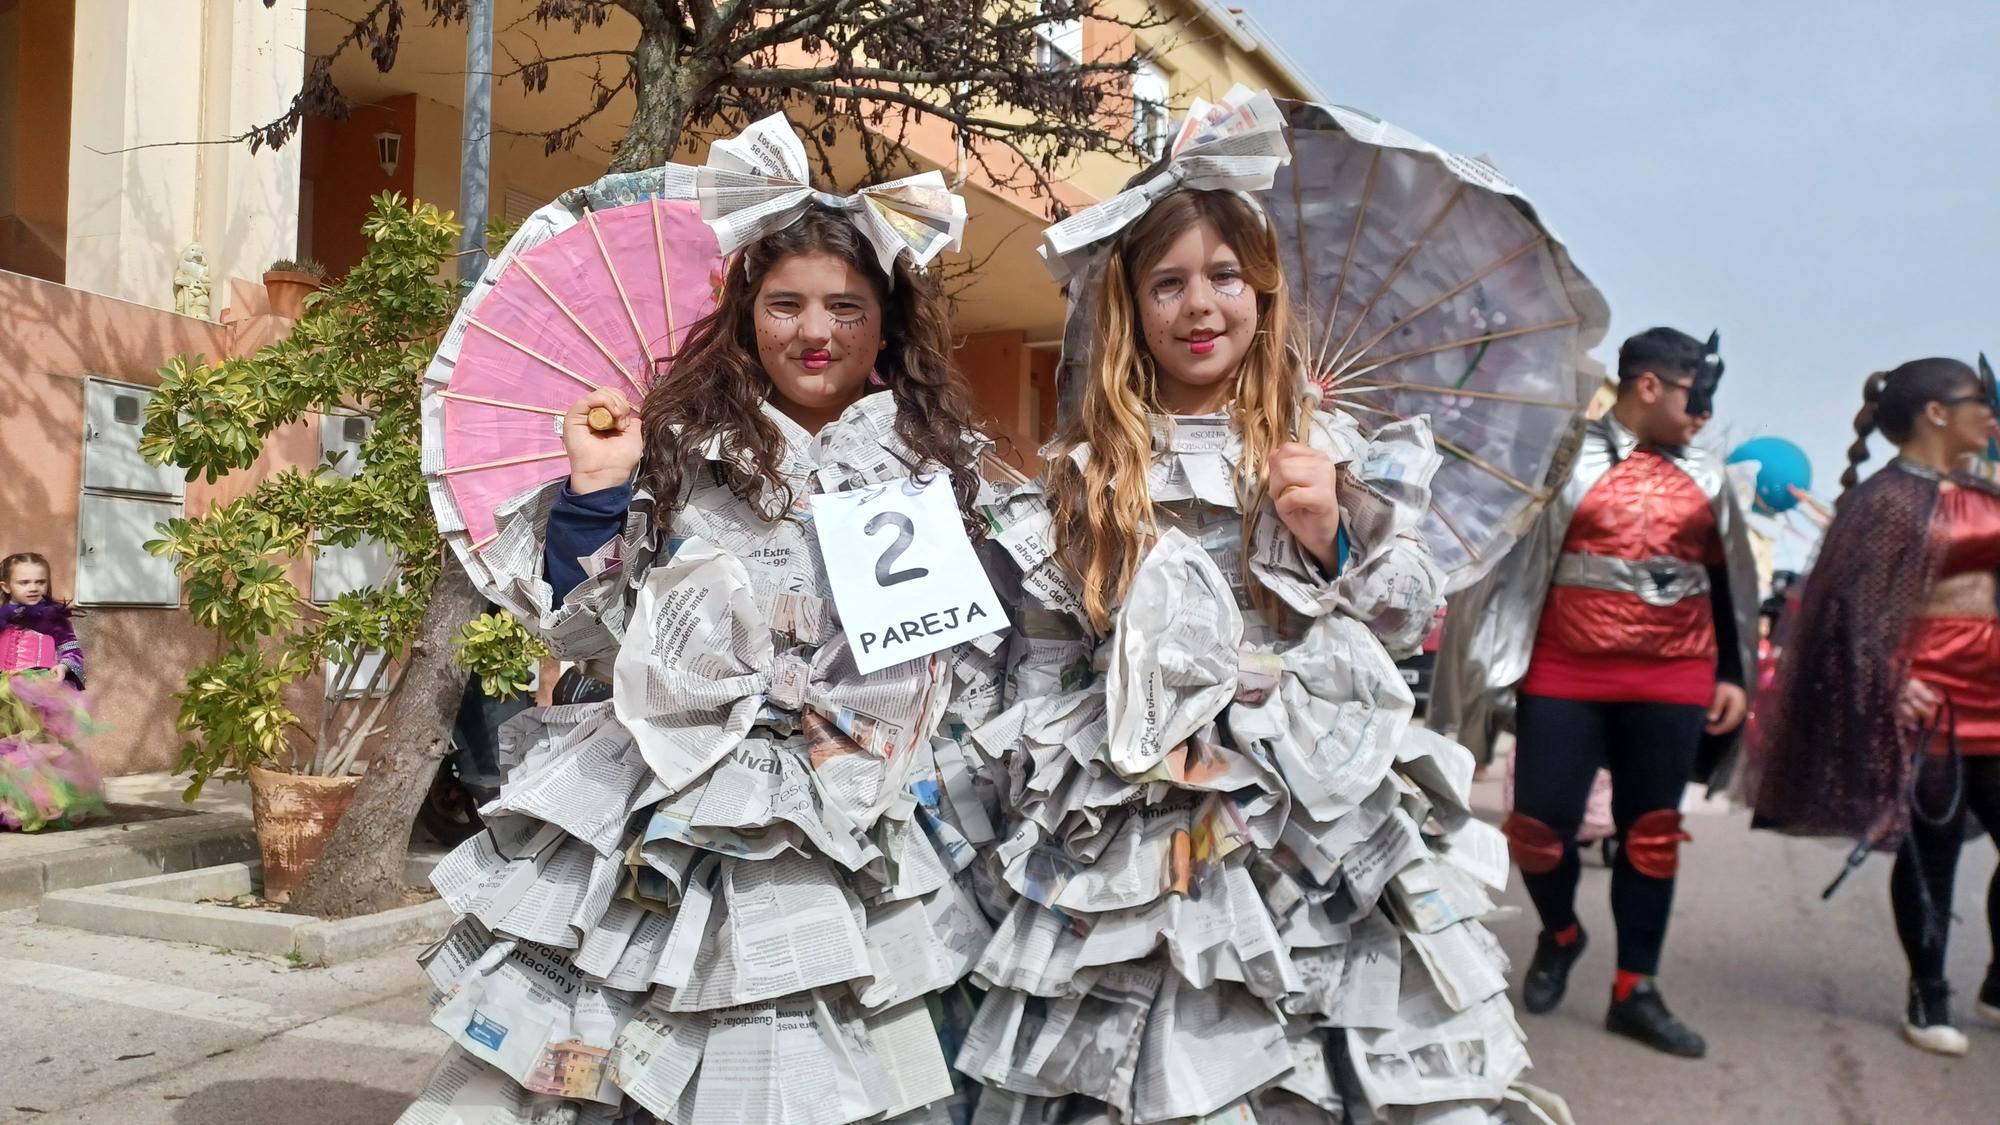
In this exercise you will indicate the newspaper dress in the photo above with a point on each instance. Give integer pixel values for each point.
(1245, 884)
(737, 891)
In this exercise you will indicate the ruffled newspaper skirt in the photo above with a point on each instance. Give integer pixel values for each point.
(736, 951)
(1246, 888)
(47, 780)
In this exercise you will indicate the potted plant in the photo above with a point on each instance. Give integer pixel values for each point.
(289, 282)
(360, 354)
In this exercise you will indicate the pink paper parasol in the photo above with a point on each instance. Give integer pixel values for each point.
(605, 303)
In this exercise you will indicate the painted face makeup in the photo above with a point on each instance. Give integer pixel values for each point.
(1198, 316)
(819, 332)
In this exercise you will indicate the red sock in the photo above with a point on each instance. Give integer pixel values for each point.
(1568, 937)
(1623, 984)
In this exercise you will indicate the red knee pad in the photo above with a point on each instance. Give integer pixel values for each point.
(1653, 843)
(1535, 846)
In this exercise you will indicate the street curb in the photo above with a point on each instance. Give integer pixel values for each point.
(84, 857)
(163, 908)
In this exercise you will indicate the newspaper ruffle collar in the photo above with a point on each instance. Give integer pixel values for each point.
(845, 451)
(757, 183)
(1235, 145)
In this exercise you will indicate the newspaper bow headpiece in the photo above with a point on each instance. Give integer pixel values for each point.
(757, 184)
(1236, 145)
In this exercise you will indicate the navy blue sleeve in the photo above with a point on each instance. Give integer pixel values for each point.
(578, 526)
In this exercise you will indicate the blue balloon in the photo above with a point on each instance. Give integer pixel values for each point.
(1781, 467)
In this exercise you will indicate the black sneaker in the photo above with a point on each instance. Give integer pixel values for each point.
(1548, 973)
(1928, 1026)
(1643, 1016)
(1988, 1004)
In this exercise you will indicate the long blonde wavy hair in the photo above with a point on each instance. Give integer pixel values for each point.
(1103, 510)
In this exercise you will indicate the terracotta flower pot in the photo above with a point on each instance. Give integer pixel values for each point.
(294, 816)
(288, 291)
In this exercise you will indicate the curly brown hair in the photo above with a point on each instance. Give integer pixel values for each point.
(716, 387)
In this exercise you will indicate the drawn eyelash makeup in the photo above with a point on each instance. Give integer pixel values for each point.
(1231, 287)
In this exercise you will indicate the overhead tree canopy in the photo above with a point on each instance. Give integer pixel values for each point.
(1008, 77)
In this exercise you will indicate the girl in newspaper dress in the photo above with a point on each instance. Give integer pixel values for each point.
(736, 891)
(1245, 882)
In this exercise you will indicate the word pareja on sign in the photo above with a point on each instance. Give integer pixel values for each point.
(929, 625)
(905, 579)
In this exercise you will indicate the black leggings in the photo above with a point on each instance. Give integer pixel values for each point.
(1936, 861)
(1650, 750)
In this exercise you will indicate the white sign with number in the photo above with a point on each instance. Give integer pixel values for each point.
(904, 575)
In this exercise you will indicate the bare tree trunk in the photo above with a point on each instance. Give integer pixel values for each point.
(361, 871)
(661, 99)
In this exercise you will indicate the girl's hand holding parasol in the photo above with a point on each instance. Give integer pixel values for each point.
(602, 437)
(1302, 482)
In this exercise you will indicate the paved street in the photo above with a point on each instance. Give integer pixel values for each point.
(1799, 1000)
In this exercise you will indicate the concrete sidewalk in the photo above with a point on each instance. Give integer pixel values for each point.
(149, 830)
(112, 1029)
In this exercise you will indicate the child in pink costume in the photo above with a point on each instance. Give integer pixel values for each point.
(46, 780)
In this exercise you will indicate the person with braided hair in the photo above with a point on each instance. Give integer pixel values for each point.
(1625, 624)
(1886, 718)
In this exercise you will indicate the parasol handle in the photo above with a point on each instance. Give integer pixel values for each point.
(1308, 402)
(601, 421)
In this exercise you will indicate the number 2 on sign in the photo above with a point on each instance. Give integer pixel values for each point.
(904, 576)
(906, 533)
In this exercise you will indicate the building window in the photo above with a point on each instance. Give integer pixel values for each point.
(1149, 109)
(1060, 45)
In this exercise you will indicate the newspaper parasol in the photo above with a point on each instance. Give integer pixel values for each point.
(596, 290)
(1428, 287)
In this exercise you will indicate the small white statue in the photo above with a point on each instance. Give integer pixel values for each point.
(191, 282)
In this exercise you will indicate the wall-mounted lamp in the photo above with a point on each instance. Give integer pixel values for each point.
(389, 150)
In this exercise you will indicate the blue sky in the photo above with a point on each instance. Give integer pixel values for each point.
(1821, 181)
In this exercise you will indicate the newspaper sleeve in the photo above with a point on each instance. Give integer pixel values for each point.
(1203, 1049)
